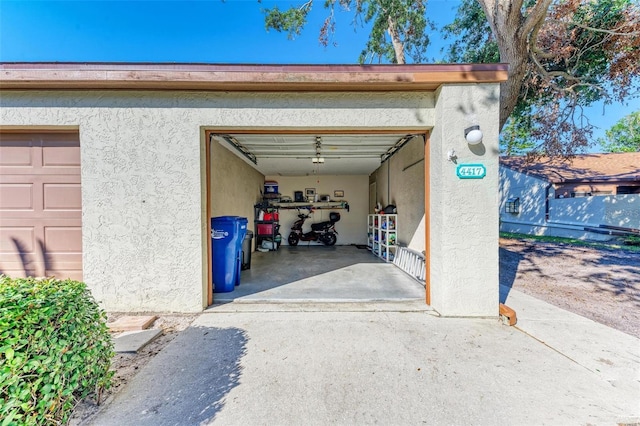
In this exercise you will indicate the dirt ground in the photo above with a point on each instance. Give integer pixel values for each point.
(600, 284)
(127, 365)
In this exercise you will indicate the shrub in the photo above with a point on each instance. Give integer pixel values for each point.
(55, 349)
(632, 240)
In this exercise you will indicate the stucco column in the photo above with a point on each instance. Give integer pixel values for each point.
(464, 212)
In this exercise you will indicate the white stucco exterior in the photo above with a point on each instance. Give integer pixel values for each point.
(464, 212)
(144, 181)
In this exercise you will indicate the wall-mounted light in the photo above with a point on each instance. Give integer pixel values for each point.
(318, 159)
(473, 135)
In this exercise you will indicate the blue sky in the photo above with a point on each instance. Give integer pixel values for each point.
(205, 31)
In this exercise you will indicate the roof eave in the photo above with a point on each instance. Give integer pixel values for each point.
(59, 76)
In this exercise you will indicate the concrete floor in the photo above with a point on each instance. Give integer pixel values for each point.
(314, 273)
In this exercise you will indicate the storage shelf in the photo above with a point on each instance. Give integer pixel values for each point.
(382, 230)
(266, 230)
(307, 205)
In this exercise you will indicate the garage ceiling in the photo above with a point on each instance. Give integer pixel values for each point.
(294, 154)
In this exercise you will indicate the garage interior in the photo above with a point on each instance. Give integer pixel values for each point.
(350, 172)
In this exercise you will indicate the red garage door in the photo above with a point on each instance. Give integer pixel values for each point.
(40, 205)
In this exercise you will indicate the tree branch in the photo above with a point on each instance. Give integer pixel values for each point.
(537, 13)
(615, 31)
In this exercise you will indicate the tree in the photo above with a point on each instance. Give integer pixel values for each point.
(563, 55)
(624, 136)
(398, 27)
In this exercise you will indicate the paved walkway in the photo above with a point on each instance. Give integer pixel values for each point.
(385, 363)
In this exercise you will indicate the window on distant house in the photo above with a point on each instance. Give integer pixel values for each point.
(621, 190)
(578, 194)
(513, 205)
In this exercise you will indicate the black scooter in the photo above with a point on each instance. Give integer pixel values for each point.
(325, 232)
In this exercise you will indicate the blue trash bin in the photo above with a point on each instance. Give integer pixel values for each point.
(227, 234)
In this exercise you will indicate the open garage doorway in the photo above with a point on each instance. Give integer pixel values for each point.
(316, 172)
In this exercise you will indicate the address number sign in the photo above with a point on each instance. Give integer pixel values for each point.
(471, 171)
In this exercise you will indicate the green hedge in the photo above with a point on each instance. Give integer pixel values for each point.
(55, 349)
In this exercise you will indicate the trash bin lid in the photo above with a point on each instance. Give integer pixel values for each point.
(225, 218)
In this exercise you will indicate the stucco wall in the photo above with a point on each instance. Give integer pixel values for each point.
(143, 173)
(352, 227)
(464, 212)
(530, 190)
(400, 181)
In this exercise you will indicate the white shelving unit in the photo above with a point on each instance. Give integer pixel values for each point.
(382, 231)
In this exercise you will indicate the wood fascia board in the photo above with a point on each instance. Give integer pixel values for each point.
(250, 78)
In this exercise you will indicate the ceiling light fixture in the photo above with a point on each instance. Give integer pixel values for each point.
(318, 159)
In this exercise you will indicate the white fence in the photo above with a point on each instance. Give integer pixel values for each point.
(612, 210)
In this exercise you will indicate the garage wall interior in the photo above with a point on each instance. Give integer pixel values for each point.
(235, 186)
(400, 181)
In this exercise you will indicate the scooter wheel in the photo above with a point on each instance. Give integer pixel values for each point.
(293, 239)
(330, 239)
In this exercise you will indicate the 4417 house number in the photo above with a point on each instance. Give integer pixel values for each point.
(471, 171)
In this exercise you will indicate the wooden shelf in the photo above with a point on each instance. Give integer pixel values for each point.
(318, 205)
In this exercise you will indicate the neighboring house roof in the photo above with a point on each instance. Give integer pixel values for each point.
(582, 168)
(227, 77)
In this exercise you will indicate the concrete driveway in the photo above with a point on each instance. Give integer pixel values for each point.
(384, 363)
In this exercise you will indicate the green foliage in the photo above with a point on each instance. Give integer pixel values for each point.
(632, 240)
(515, 138)
(55, 349)
(624, 136)
(407, 17)
(473, 40)
(290, 21)
(410, 21)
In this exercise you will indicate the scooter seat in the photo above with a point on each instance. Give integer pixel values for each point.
(320, 226)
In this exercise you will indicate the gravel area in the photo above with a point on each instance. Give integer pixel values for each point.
(600, 284)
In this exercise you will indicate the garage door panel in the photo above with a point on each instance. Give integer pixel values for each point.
(18, 253)
(18, 153)
(40, 205)
(62, 196)
(16, 196)
(15, 156)
(58, 239)
(60, 155)
(13, 237)
(62, 274)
